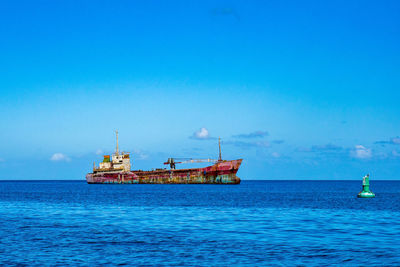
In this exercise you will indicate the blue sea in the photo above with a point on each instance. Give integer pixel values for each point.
(256, 223)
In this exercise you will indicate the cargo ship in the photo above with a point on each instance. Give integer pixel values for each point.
(117, 170)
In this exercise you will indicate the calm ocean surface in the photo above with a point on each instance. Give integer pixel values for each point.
(254, 223)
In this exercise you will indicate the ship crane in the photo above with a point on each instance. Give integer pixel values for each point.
(172, 161)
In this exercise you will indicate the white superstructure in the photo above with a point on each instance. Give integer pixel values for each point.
(119, 162)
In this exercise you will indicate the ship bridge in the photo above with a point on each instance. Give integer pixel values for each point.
(118, 162)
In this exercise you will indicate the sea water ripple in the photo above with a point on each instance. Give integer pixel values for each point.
(255, 223)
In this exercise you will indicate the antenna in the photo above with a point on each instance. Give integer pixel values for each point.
(116, 150)
(219, 144)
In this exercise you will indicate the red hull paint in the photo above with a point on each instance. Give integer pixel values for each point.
(223, 172)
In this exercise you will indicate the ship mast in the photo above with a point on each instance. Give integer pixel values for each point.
(219, 144)
(116, 150)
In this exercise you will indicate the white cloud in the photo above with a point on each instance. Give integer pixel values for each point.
(139, 155)
(361, 152)
(202, 133)
(256, 134)
(396, 140)
(59, 157)
(99, 152)
(392, 141)
(275, 155)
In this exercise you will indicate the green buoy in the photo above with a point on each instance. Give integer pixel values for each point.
(366, 193)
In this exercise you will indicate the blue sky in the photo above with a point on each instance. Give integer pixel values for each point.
(298, 89)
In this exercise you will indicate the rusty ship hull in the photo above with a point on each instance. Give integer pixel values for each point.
(222, 172)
